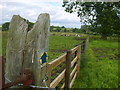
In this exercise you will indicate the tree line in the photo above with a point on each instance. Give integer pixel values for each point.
(102, 16)
(5, 27)
(86, 29)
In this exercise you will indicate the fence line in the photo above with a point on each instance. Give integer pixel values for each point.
(66, 72)
(67, 57)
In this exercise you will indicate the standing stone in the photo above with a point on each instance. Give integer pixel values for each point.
(37, 43)
(24, 48)
(15, 46)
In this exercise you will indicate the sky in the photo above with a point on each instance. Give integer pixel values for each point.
(30, 9)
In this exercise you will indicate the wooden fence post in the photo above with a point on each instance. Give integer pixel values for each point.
(78, 60)
(2, 79)
(84, 46)
(86, 43)
(49, 70)
(68, 66)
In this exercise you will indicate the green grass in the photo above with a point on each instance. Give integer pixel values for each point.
(99, 67)
(104, 44)
(57, 45)
(3, 43)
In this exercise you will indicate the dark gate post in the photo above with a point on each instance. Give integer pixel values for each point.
(68, 66)
(2, 79)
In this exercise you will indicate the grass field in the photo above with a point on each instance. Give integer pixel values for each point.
(99, 66)
(3, 42)
(57, 44)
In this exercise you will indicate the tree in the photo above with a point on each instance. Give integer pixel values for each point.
(5, 26)
(85, 28)
(65, 29)
(101, 15)
(51, 28)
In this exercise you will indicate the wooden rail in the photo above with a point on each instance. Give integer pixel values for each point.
(70, 63)
(67, 57)
(57, 80)
(58, 61)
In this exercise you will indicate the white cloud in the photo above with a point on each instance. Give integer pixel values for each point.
(30, 9)
(24, 1)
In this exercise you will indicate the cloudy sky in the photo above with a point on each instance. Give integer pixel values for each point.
(30, 9)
